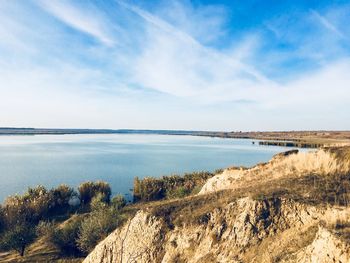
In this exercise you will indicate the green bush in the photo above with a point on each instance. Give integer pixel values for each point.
(39, 201)
(178, 192)
(137, 190)
(23, 217)
(118, 202)
(88, 190)
(44, 228)
(152, 189)
(98, 203)
(18, 238)
(101, 221)
(28, 208)
(173, 186)
(60, 197)
(64, 237)
(37, 204)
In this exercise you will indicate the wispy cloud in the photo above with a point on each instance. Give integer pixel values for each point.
(89, 23)
(176, 63)
(326, 23)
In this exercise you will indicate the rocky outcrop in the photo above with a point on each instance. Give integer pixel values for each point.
(227, 234)
(139, 240)
(230, 232)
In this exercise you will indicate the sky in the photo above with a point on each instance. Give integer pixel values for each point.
(193, 65)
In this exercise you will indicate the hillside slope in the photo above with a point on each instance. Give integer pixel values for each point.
(292, 209)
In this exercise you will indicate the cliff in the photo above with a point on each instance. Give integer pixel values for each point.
(292, 209)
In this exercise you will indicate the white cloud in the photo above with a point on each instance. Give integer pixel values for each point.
(89, 23)
(206, 23)
(326, 87)
(176, 63)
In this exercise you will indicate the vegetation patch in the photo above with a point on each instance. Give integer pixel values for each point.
(42, 213)
(169, 187)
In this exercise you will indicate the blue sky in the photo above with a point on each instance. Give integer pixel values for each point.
(200, 65)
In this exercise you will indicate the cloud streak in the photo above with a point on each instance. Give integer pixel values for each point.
(90, 24)
(176, 63)
(327, 24)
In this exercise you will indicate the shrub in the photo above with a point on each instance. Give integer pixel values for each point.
(173, 186)
(151, 189)
(44, 228)
(18, 238)
(88, 190)
(61, 197)
(118, 202)
(28, 208)
(39, 201)
(65, 236)
(137, 190)
(37, 204)
(179, 192)
(96, 226)
(98, 202)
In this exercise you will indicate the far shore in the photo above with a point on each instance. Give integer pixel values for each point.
(300, 139)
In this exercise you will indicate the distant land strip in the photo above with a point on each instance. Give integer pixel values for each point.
(301, 139)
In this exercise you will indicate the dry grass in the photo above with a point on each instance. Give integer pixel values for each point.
(328, 163)
(340, 227)
(321, 162)
(39, 251)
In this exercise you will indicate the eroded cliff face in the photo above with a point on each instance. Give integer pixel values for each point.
(139, 240)
(230, 232)
(245, 229)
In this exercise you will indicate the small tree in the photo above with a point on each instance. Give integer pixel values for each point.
(88, 190)
(152, 189)
(102, 220)
(44, 228)
(38, 201)
(27, 208)
(97, 203)
(118, 202)
(18, 238)
(64, 237)
(61, 196)
(137, 189)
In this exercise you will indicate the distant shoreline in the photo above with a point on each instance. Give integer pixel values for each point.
(300, 139)
(50, 131)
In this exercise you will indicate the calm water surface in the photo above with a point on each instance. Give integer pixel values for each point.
(115, 158)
